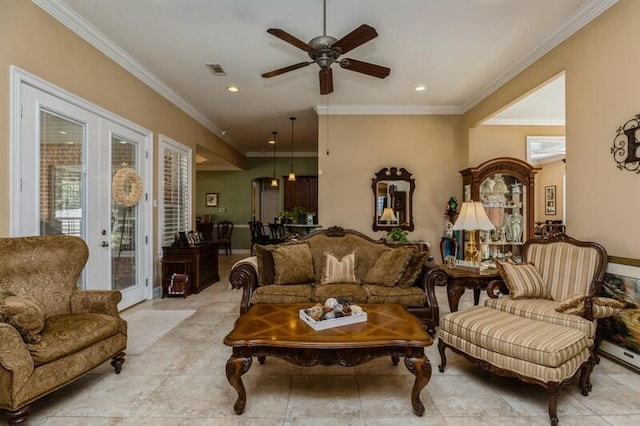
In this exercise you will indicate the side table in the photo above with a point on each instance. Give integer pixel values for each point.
(460, 279)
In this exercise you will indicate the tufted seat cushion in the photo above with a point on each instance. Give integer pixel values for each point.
(519, 338)
(65, 334)
(293, 293)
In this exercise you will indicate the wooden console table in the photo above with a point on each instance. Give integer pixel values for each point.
(203, 263)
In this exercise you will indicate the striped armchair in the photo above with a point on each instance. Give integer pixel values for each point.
(539, 323)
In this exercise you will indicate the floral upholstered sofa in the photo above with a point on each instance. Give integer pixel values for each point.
(51, 333)
(343, 264)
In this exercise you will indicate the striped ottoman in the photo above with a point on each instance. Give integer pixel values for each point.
(534, 349)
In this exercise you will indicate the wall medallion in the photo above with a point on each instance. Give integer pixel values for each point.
(626, 147)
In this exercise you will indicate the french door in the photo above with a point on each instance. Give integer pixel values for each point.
(67, 155)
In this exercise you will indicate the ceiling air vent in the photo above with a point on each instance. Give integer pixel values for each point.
(216, 69)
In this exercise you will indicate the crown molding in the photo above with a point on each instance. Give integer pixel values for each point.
(387, 110)
(522, 122)
(68, 17)
(585, 15)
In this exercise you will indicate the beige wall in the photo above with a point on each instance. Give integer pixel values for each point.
(488, 142)
(429, 147)
(37, 43)
(601, 94)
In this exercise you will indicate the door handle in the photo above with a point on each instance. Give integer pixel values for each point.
(104, 244)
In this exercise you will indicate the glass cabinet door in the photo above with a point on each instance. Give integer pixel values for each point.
(504, 199)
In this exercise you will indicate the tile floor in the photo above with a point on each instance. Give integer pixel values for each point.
(180, 380)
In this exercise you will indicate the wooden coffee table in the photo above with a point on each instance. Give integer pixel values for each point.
(275, 330)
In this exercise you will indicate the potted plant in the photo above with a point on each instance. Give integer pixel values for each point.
(286, 217)
(299, 215)
(396, 235)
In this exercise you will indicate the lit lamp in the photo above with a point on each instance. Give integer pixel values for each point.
(292, 176)
(274, 181)
(388, 216)
(472, 218)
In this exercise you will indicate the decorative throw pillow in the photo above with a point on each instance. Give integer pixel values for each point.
(336, 270)
(266, 266)
(601, 307)
(24, 314)
(523, 280)
(389, 267)
(413, 270)
(293, 264)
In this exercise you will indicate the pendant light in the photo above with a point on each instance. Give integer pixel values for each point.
(274, 181)
(292, 176)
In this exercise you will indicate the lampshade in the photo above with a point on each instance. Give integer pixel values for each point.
(473, 218)
(292, 176)
(388, 215)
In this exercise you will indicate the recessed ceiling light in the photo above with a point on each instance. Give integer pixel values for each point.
(272, 142)
(233, 89)
(62, 132)
(421, 88)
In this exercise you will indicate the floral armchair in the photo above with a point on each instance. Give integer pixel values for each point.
(51, 333)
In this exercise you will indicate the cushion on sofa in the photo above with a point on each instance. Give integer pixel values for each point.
(523, 280)
(355, 293)
(293, 293)
(339, 270)
(413, 269)
(293, 264)
(601, 307)
(411, 296)
(266, 266)
(389, 267)
(65, 334)
(542, 310)
(24, 314)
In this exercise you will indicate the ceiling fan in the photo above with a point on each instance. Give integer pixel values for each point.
(324, 50)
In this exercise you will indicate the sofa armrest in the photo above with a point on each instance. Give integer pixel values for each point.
(95, 302)
(432, 275)
(15, 358)
(244, 274)
(497, 287)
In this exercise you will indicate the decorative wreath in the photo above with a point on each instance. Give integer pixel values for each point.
(126, 187)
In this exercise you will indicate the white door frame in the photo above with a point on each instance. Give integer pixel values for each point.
(20, 77)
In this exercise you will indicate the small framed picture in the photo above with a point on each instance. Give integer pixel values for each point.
(550, 199)
(212, 199)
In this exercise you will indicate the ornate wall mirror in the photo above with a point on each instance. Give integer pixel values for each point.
(393, 199)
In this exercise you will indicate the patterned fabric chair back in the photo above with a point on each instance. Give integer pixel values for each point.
(567, 266)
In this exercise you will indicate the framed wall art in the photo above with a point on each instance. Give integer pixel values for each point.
(621, 333)
(212, 199)
(550, 199)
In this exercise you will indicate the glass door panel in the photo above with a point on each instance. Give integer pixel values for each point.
(62, 186)
(124, 219)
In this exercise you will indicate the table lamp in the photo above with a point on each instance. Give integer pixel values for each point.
(472, 218)
(388, 216)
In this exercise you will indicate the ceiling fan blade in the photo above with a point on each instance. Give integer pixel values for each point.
(365, 68)
(285, 69)
(355, 38)
(326, 81)
(283, 35)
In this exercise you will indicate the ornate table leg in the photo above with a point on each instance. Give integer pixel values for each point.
(455, 290)
(236, 367)
(421, 368)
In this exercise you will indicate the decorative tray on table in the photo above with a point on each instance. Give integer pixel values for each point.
(334, 313)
